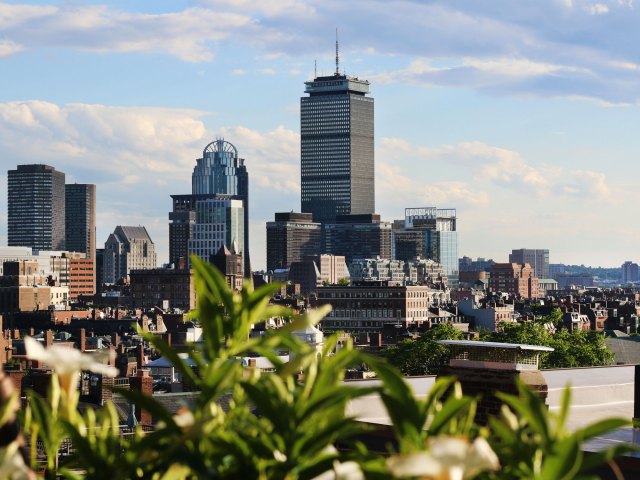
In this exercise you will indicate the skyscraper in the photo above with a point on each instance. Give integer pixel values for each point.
(337, 159)
(36, 207)
(221, 171)
(80, 218)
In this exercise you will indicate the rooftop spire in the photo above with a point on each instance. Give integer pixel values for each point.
(337, 55)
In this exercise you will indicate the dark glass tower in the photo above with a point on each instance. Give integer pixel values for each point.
(337, 159)
(220, 171)
(36, 207)
(80, 213)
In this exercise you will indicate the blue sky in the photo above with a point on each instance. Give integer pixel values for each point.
(522, 115)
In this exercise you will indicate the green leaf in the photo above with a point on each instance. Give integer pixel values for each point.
(602, 426)
(564, 462)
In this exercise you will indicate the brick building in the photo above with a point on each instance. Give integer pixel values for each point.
(150, 288)
(81, 277)
(514, 279)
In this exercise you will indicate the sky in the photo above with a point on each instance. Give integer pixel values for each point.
(524, 116)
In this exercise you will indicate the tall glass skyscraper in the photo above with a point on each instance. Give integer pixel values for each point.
(337, 159)
(36, 207)
(221, 171)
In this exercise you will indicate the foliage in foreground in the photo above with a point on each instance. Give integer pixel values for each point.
(294, 423)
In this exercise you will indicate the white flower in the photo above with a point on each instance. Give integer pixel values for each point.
(68, 362)
(12, 465)
(448, 458)
(342, 471)
(184, 418)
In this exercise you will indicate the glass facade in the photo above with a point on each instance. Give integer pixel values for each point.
(430, 233)
(220, 171)
(337, 155)
(219, 222)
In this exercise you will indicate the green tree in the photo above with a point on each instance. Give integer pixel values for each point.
(423, 356)
(578, 349)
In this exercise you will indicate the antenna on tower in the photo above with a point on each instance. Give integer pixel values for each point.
(337, 55)
(315, 68)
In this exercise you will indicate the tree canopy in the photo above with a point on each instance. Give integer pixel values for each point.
(423, 356)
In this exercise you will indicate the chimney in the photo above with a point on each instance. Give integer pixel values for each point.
(48, 338)
(83, 340)
(143, 383)
(140, 355)
(16, 334)
(16, 374)
(115, 340)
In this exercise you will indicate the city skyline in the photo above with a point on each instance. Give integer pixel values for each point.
(518, 118)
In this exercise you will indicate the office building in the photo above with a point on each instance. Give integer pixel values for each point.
(357, 236)
(219, 221)
(536, 257)
(221, 171)
(369, 307)
(126, 249)
(80, 219)
(430, 233)
(337, 154)
(291, 238)
(514, 279)
(181, 222)
(629, 272)
(36, 207)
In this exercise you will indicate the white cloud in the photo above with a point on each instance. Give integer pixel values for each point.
(238, 71)
(487, 45)
(490, 165)
(138, 156)
(267, 71)
(273, 157)
(597, 9)
(8, 48)
(188, 34)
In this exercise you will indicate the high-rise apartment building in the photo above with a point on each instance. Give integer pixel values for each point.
(221, 171)
(337, 154)
(290, 238)
(430, 233)
(80, 219)
(536, 257)
(36, 207)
